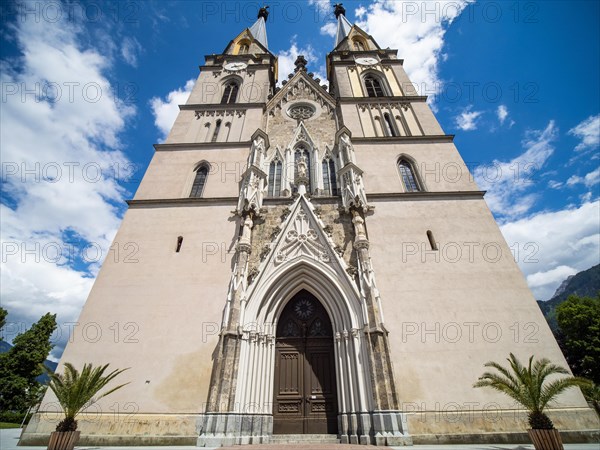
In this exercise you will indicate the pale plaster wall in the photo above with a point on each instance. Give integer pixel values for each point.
(254, 86)
(439, 165)
(171, 173)
(469, 296)
(167, 307)
(189, 129)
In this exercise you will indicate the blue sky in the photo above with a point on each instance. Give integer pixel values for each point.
(88, 87)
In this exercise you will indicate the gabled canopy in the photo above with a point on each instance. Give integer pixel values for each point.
(346, 30)
(257, 33)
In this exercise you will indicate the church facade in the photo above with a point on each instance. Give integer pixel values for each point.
(309, 260)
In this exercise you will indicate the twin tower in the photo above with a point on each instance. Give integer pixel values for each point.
(312, 263)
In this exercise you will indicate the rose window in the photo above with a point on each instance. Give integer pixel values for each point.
(301, 112)
(304, 309)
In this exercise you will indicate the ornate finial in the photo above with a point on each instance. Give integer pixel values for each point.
(262, 12)
(339, 9)
(300, 63)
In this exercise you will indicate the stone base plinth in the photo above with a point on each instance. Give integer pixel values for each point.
(222, 429)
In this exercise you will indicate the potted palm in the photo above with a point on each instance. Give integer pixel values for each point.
(76, 391)
(528, 386)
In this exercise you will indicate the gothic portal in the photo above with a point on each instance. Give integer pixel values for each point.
(313, 260)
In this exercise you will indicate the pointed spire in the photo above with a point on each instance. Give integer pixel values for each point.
(343, 28)
(259, 29)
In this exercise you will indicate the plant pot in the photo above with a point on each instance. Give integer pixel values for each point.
(546, 439)
(63, 440)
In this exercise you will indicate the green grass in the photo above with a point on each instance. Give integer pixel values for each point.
(4, 425)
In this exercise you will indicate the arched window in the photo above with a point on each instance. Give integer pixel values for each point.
(216, 132)
(329, 179)
(302, 151)
(207, 133)
(243, 48)
(409, 179)
(379, 131)
(389, 126)
(359, 45)
(373, 86)
(275, 178)
(230, 93)
(228, 129)
(199, 181)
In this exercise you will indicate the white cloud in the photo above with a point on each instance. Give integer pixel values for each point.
(286, 59)
(323, 6)
(329, 29)
(165, 111)
(61, 167)
(507, 181)
(130, 49)
(589, 133)
(502, 113)
(467, 120)
(360, 12)
(556, 275)
(589, 180)
(553, 245)
(417, 30)
(553, 184)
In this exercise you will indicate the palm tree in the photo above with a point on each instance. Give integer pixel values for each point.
(528, 386)
(75, 391)
(591, 392)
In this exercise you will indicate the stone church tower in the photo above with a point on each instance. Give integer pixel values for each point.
(308, 261)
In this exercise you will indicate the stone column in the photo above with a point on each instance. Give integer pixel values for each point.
(220, 422)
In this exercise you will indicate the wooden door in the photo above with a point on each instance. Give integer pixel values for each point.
(305, 400)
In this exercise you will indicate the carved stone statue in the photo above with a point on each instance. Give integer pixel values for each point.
(359, 226)
(247, 229)
(346, 148)
(302, 167)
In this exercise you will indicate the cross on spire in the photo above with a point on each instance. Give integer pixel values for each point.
(263, 12)
(339, 10)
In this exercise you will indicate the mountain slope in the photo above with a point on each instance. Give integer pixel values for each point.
(583, 284)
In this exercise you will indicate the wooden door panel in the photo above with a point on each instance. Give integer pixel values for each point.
(305, 391)
(289, 365)
(289, 398)
(321, 408)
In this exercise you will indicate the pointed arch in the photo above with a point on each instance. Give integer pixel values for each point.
(243, 47)
(329, 176)
(230, 88)
(340, 301)
(409, 175)
(303, 149)
(375, 84)
(275, 174)
(359, 44)
(215, 135)
(389, 125)
(200, 176)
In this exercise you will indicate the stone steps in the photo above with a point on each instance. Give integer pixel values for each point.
(304, 439)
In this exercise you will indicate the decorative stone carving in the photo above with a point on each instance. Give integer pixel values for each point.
(350, 176)
(302, 239)
(221, 113)
(254, 180)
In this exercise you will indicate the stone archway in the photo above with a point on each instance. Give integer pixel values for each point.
(304, 394)
(260, 316)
